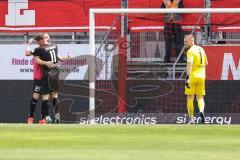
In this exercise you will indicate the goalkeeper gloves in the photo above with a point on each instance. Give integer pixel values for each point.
(187, 82)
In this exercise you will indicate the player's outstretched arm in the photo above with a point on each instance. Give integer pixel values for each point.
(28, 51)
(65, 58)
(49, 64)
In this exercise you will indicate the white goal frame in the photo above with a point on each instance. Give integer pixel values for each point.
(92, 13)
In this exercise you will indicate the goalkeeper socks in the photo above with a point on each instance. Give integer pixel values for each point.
(201, 105)
(55, 105)
(190, 107)
(46, 107)
(33, 107)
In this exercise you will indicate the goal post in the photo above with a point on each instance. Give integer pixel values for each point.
(92, 69)
(126, 12)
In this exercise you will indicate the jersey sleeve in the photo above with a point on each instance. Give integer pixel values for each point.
(190, 57)
(36, 52)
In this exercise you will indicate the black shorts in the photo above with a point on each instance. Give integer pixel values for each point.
(37, 86)
(50, 82)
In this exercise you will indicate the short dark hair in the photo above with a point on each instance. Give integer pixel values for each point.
(39, 37)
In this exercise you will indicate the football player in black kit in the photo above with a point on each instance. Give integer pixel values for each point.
(44, 56)
(53, 95)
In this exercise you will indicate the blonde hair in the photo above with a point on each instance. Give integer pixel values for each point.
(189, 36)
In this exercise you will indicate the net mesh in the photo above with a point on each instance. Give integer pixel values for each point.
(152, 48)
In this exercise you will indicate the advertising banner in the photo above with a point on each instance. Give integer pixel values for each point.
(73, 15)
(148, 102)
(223, 62)
(160, 118)
(16, 66)
(52, 15)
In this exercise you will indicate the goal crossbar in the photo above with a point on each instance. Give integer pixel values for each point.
(159, 10)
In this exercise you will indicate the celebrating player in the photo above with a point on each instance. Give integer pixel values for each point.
(45, 56)
(195, 79)
(37, 75)
(53, 95)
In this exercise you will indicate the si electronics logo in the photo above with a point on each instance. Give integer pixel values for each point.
(208, 120)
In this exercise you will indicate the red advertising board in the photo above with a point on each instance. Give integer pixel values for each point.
(29, 15)
(223, 62)
(59, 15)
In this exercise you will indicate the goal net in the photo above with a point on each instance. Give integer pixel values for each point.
(139, 62)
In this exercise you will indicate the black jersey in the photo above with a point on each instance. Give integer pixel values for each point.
(47, 53)
(49, 81)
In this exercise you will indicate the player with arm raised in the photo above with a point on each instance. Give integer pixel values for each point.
(37, 75)
(40, 51)
(196, 75)
(49, 53)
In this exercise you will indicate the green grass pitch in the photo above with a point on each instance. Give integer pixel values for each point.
(119, 142)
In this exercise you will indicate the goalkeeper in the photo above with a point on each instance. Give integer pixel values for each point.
(195, 79)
